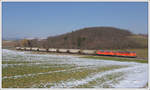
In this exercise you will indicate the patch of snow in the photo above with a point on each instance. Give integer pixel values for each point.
(141, 79)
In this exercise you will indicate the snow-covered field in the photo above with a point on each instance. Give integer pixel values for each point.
(23, 69)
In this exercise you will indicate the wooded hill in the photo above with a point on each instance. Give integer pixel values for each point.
(92, 38)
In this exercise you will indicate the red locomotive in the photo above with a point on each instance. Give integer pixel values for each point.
(116, 53)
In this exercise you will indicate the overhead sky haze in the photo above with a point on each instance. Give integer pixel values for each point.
(43, 19)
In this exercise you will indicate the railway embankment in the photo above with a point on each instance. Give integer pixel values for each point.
(122, 59)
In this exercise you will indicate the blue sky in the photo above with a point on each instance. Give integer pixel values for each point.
(42, 19)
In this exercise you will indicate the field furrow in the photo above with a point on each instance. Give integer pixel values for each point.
(28, 70)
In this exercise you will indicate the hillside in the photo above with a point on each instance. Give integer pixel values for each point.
(97, 38)
(91, 38)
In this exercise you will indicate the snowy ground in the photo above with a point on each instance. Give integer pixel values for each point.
(23, 69)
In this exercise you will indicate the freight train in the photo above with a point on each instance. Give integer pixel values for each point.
(116, 53)
(79, 51)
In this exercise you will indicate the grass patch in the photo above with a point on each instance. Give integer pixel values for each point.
(54, 77)
(142, 53)
(23, 69)
(16, 62)
(115, 59)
